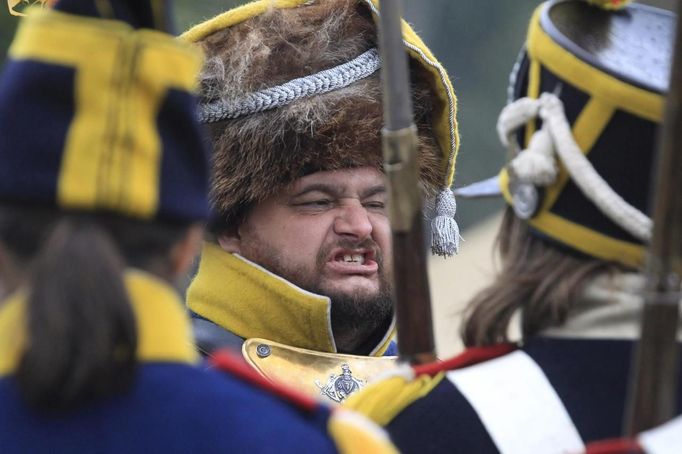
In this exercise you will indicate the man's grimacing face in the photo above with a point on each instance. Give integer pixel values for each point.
(328, 233)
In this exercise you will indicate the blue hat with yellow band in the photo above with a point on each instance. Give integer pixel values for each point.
(586, 98)
(99, 115)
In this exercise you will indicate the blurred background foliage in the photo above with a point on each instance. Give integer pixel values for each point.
(476, 40)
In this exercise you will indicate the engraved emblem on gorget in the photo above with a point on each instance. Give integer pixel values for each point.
(339, 387)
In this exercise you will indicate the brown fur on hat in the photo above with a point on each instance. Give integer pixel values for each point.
(258, 155)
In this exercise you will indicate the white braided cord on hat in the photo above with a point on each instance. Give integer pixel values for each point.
(556, 138)
(325, 81)
(445, 236)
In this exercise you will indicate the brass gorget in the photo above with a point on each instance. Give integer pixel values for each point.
(328, 376)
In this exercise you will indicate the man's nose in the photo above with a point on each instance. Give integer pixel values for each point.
(353, 220)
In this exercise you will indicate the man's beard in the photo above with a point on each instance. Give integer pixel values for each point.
(359, 321)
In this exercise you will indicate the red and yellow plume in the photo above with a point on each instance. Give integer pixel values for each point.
(17, 6)
(610, 4)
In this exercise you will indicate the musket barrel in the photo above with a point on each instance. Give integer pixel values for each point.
(394, 73)
(653, 386)
(411, 287)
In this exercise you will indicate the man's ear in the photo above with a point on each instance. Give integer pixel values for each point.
(230, 241)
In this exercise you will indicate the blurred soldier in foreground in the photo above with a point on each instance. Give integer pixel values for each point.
(301, 252)
(103, 182)
(587, 96)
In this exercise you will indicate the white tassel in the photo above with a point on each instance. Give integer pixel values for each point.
(536, 164)
(444, 229)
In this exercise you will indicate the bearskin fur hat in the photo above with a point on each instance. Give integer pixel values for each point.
(268, 43)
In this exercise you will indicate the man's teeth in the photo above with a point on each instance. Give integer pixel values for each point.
(354, 258)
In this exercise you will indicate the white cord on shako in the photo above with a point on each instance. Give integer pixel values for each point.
(537, 165)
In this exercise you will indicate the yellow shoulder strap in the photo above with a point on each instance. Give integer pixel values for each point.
(353, 433)
(384, 400)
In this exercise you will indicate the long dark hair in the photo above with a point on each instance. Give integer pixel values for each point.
(81, 331)
(536, 276)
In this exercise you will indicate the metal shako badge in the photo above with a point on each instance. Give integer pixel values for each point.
(339, 387)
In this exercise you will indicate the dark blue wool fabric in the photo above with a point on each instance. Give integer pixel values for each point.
(172, 408)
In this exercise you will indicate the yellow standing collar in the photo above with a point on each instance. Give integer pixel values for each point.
(250, 301)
